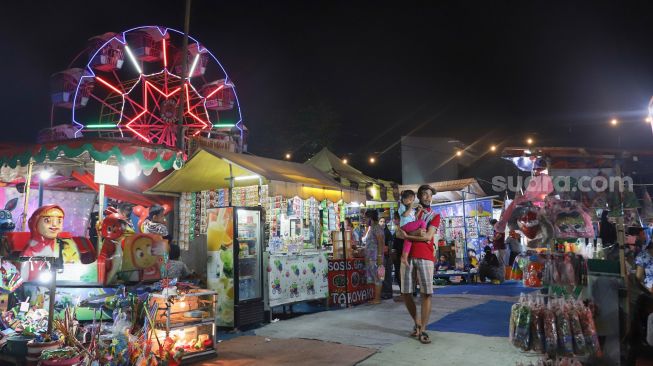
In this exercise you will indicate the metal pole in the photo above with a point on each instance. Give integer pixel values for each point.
(344, 256)
(52, 291)
(184, 73)
(40, 192)
(28, 184)
(100, 214)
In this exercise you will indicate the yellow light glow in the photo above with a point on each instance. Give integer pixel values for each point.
(459, 153)
(648, 119)
(529, 141)
(372, 160)
(614, 122)
(345, 161)
(288, 156)
(493, 148)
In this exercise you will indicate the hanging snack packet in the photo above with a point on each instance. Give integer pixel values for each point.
(565, 340)
(550, 330)
(589, 331)
(580, 346)
(537, 327)
(523, 328)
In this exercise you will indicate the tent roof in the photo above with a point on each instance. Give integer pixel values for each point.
(329, 163)
(451, 190)
(209, 169)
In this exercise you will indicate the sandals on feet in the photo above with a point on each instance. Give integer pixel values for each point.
(424, 338)
(416, 331)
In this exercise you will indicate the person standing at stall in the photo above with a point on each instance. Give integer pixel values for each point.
(374, 241)
(386, 292)
(421, 263)
(397, 249)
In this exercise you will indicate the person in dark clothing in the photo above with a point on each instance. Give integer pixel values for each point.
(490, 267)
(386, 289)
(607, 230)
(397, 249)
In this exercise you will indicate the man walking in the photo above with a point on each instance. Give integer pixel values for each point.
(421, 261)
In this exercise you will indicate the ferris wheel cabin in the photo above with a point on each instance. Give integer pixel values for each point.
(193, 53)
(146, 44)
(219, 95)
(109, 58)
(63, 86)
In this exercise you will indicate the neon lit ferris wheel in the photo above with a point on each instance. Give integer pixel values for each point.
(134, 85)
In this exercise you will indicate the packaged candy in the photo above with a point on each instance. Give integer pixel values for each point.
(537, 328)
(580, 346)
(586, 319)
(565, 340)
(523, 328)
(550, 331)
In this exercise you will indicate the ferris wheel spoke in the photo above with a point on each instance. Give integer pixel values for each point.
(122, 86)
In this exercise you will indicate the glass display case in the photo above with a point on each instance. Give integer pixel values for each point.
(188, 319)
(235, 261)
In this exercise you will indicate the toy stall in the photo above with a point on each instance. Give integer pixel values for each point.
(50, 192)
(261, 223)
(584, 284)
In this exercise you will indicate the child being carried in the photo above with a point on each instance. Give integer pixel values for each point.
(408, 210)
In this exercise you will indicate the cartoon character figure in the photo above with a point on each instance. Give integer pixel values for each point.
(46, 239)
(144, 253)
(6, 220)
(114, 228)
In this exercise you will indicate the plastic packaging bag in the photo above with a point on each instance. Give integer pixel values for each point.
(550, 331)
(565, 338)
(537, 327)
(580, 346)
(589, 331)
(523, 328)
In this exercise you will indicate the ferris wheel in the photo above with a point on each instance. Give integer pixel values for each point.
(134, 85)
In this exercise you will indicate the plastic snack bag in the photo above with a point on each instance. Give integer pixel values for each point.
(537, 327)
(589, 331)
(523, 328)
(514, 312)
(550, 330)
(580, 346)
(565, 338)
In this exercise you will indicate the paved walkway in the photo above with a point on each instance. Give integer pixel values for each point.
(379, 335)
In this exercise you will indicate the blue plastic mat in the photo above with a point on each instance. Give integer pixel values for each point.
(489, 319)
(512, 288)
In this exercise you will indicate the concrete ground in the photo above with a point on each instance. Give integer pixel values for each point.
(384, 329)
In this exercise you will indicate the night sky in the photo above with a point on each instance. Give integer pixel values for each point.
(488, 71)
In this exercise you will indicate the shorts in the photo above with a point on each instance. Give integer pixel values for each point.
(418, 271)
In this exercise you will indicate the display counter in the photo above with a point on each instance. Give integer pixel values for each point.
(297, 277)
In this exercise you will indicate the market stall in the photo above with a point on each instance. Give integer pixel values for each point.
(465, 213)
(379, 194)
(558, 217)
(262, 221)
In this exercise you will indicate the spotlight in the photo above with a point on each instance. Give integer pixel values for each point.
(459, 153)
(131, 171)
(45, 174)
(529, 141)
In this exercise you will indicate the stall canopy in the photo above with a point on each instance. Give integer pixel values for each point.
(452, 190)
(211, 169)
(374, 189)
